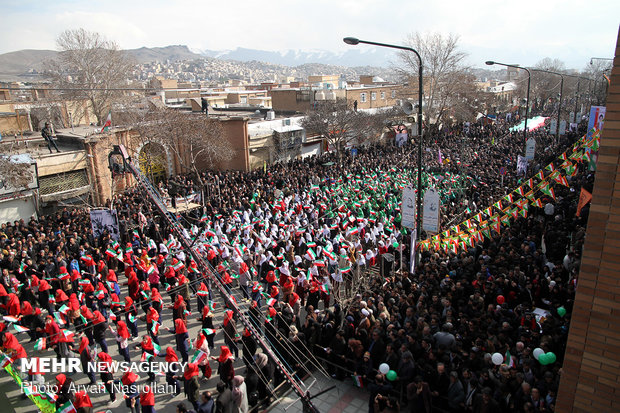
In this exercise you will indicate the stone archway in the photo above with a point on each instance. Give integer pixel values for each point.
(153, 162)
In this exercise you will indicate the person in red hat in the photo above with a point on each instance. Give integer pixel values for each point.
(84, 323)
(147, 400)
(107, 375)
(156, 299)
(12, 306)
(44, 296)
(192, 386)
(151, 317)
(85, 357)
(131, 390)
(248, 347)
(226, 370)
(53, 337)
(83, 404)
(207, 322)
(230, 332)
(201, 344)
(131, 314)
(182, 338)
(64, 391)
(100, 327)
(179, 307)
(122, 339)
(12, 347)
(171, 357)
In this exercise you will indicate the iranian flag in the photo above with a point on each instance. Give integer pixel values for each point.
(146, 356)
(68, 335)
(5, 361)
(324, 288)
(204, 218)
(198, 356)
(151, 269)
(132, 319)
(22, 267)
(358, 381)
(152, 245)
(155, 328)
(310, 254)
(157, 348)
(40, 344)
(178, 266)
(202, 293)
(271, 302)
(210, 233)
(110, 253)
(64, 309)
(10, 319)
(345, 269)
(319, 263)
(107, 124)
(19, 328)
(99, 294)
(329, 255)
(209, 331)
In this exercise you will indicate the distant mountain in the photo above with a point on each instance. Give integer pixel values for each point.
(28, 65)
(161, 54)
(352, 57)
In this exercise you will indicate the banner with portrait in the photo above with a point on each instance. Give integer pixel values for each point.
(104, 220)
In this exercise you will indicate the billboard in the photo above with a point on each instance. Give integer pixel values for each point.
(408, 207)
(430, 218)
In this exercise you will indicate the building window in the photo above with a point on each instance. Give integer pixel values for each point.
(382, 95)
(393, 94)
(362, 97)
(373, 95)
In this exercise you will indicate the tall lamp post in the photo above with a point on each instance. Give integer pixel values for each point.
(355, 41)
(527, 99)
(561, 90)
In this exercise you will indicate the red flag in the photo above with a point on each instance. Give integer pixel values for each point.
(584, 198)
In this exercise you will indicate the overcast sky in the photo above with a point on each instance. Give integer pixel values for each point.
(521, 32)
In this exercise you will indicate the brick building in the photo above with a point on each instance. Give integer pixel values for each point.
(591, 371)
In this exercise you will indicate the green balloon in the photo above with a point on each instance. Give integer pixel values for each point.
(542, 359)
(551, 358)
(391, 375)
(561, 311)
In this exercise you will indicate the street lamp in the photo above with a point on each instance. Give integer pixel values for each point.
(355, 41)
(561, 90)
(527, 99)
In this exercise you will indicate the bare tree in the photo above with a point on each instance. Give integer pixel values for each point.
(90, 67)
(341, 125)
(444, 73)
(545, 87)
(14, 175)
(195, 141)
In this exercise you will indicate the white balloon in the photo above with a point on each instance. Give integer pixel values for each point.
(384, 368)
(497, 359)
(537, 352)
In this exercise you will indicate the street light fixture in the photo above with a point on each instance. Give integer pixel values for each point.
(527, 99)
(355, 41)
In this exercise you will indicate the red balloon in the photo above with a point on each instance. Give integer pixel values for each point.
(500, 299)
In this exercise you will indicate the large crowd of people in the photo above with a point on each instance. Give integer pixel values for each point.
(298, 244)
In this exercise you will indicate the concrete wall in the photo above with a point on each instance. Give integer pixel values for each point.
(591, 371)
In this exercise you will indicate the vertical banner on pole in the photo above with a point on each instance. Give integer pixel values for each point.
(430, 217)
(408, 208)
(414, 236)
